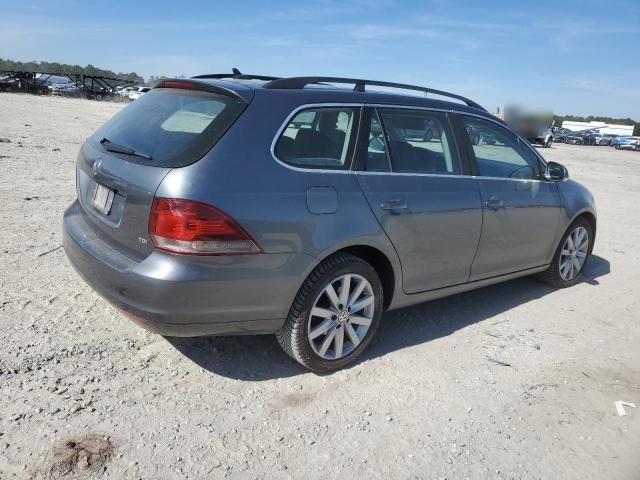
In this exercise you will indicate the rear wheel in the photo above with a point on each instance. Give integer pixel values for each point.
(334, 315)
(571, 256)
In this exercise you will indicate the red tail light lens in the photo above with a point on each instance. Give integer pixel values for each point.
(194, 228)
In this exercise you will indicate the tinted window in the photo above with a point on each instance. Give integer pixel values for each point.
(175, 127)
(318, 138)
(419, 142)
(499, 153)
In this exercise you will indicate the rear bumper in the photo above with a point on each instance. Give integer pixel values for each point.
(178, 295)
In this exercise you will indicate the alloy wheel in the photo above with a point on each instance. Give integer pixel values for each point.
(341, 316)
(574, 253)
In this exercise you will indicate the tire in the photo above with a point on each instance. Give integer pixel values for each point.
(548, 143)
(553, 275)
(294, 337)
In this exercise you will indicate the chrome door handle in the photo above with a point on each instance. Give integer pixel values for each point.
(494, 204)
(394, 204)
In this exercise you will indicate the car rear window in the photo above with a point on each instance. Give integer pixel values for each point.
(175, 127)
(319, 138)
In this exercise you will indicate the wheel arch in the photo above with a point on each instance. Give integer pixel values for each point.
(591, 219)
(380, 263)
(386, 266)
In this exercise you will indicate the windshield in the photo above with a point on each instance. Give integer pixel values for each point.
(175, 127)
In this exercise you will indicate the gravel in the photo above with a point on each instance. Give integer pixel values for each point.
(512, 381)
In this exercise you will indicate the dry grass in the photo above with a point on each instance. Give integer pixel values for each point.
(76, 457)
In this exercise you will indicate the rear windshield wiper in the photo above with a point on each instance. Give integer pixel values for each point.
(114, 147)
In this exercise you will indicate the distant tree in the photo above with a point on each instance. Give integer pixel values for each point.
(63, 68)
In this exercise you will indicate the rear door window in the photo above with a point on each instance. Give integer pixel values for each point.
(419, 141)
(175, 127)
(320, 138)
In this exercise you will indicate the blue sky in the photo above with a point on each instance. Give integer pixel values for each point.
(568, 56)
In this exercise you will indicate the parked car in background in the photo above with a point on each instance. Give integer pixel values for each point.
(559, 134)
(125, 91)
(620, 140)
(69, 88)
(575, 138)
(137, 92)
(601, 140)
(96, 92)
(204, 208)
(631, 143)
(9, 83)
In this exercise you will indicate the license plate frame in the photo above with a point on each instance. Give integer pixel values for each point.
(102, 198)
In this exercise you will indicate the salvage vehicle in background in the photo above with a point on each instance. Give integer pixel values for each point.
(630, 143)
(137, 92)
(601, 139)
(575, 138)
(559, 134)
(203, 208)
(9, 83)
(620, 140)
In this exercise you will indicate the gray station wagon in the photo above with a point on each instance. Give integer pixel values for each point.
(244, 204)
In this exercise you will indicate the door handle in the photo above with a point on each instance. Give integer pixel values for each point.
(394, 205)
(494, 203)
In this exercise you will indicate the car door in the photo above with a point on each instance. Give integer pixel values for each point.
(521, 210)
(410, 172)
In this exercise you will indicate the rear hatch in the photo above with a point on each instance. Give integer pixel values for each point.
(120, 167)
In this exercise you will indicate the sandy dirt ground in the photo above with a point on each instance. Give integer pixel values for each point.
(514, 381)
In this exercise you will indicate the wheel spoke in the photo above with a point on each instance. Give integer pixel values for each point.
(580, 254)
(358, 320)
(327, 342)
(322, 328)
(321, 312)
(584, 244)
(576, 265)
(570, 242)
(579, 237)
(356, 292)
(565, 253)
(333, 296)
(339, 342)
(353, 336)
(356, 307)
(344, 290)
(564, 268)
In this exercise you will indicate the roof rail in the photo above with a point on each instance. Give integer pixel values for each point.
(301, 82)
(237, 75)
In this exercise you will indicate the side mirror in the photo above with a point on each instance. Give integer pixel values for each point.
(556, 172)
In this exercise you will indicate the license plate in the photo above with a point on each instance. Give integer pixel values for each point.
(102, 198)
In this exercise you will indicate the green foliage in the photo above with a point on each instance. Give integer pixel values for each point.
(62, 68)
(619, 121)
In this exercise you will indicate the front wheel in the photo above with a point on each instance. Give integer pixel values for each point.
(334, 315)
(571, 256)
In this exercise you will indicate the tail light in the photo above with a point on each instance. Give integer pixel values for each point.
(194, 228)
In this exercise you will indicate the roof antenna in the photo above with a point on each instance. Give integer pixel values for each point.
(236, 73)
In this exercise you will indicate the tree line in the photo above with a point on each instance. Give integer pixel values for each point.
(591, 118)
(63, 68)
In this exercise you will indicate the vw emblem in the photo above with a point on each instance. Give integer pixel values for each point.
(96, 166)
